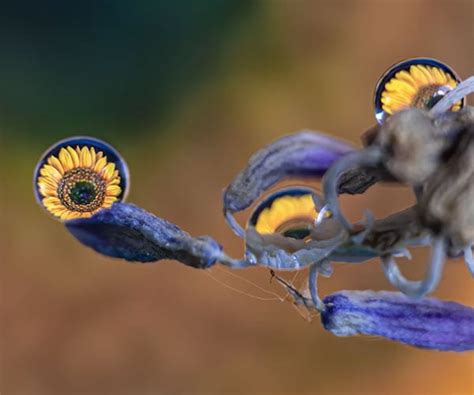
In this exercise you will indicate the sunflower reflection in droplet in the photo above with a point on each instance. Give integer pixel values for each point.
(419, 83)
(79, 176)
(290, 212)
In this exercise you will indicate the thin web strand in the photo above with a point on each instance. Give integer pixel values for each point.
(206, 272)
(247, 281)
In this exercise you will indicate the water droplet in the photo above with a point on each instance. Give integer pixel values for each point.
(417, 82)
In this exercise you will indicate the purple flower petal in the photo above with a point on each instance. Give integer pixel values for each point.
(426, 323)
(129, 232)
(303, 154)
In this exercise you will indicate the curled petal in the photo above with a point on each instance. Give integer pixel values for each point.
(357, 181)
(129, 232)
(426, 323)
(303, 154)
(285, 253)
(417, 289)
(369, 157)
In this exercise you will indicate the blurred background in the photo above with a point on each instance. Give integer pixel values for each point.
(187, 91)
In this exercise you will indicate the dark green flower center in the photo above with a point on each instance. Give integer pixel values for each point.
(297, 233)
(83, 192)
(296, 228)
(429, 95)
(430, 103)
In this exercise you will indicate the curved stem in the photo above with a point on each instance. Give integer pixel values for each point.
(468, 258)
(465, 88)
(313, 288)
(417, 289)
(369, 157)
(233, 263)
(317, 201)
(235, 226)
(368, 224)
(321, 215)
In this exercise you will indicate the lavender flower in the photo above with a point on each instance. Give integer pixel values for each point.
(303, 154)
(427, 323)
(129, 232)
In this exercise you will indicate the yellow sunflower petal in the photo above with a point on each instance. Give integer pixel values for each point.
(452, 83)
(428, 74)
(419, 76)
(46, 190)
(456, 106)
(85, 157)
(59, 212)
(406, 76)
(389, 100)
(113, 190)
(53, 204)
(93, 157)
(284, 209)
(49, 181)
(395, 97)
(52, 200)
(71, 215)
(74, 157)
(108, 171)
(439, 76)
(55, 162)
(395, 85)
(114, 181)
(110, 199)
(65, 159)
(393, 107)
(115, 176)
(51, 171)
(100, 164)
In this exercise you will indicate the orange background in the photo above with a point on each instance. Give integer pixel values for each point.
(74, 322)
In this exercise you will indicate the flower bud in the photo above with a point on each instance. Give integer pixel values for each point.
(446, 203)
(413, 146)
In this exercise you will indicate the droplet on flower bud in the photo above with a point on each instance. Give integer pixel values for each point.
(414, 83)
(79, 176)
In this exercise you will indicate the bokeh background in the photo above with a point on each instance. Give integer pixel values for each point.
(187, 91)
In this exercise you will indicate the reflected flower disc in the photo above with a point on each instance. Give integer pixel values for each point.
(419, 83)
(290, 212)
(78, 176)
